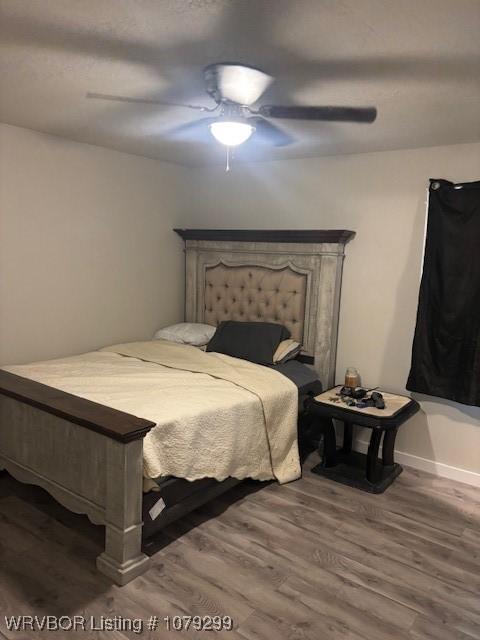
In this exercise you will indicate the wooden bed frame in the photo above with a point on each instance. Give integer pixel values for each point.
(89, 456)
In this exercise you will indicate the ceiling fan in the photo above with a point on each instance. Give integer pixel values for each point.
(235, 88)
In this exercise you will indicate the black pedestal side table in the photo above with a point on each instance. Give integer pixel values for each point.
(350, 467)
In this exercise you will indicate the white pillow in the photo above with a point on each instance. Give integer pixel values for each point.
(286, 350)
(193, 333)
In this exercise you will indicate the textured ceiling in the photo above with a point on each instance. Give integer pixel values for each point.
(418, 61)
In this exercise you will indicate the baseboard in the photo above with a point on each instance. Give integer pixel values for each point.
(424, 464)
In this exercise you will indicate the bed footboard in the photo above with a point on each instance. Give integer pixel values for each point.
(86, 455)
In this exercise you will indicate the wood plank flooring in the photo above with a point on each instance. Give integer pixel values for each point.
(312, 560)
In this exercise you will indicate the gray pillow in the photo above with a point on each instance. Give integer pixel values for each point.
(253, 341)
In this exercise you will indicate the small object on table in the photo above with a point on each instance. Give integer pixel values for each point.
(378, 400)
(348, 396)
(383, 413)
(358, 394)
(352, 378)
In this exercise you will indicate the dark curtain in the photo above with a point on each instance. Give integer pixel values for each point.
(446, 346)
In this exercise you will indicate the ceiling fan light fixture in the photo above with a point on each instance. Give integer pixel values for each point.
(231, 133)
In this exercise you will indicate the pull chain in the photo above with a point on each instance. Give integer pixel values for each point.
(227, 166)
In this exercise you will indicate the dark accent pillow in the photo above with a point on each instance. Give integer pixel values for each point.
(254, 341)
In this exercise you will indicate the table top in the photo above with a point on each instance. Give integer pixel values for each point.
(394, 404)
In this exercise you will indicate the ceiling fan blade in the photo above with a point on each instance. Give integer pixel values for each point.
(193, 128)
(270, 132)
(328, 114)
(106, 96)
(235, 83)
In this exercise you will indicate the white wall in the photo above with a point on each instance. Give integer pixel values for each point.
(382, 197)
(87, 252)
(88, 256)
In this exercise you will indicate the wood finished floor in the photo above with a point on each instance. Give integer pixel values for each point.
(310, 560)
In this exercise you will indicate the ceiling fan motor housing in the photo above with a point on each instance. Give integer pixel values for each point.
(235, 83)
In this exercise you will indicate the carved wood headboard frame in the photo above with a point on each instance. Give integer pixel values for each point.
(315, 255)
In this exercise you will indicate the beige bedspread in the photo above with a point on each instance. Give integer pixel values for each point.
(215, 416)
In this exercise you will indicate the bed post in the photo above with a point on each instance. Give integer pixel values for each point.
(123, 559)
(86, 455)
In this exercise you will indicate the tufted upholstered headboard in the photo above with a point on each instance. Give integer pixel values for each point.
(258, 293)
(289, 277)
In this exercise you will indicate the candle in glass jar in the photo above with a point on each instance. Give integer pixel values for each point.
(352, 378)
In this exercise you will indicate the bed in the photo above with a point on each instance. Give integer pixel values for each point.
(89, 450)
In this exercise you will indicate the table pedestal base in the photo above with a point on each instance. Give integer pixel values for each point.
(350, 470)
(355, 469)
